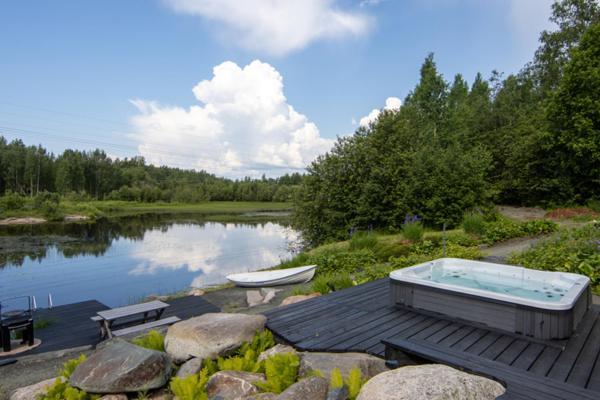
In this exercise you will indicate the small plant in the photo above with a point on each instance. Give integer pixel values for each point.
(363, 240)
(153, 340)
(412, 229)
(281, 371)
(474, 223)
(191, 387)
(246, 362)
(321, 284)
(260, 342)
(61, 390)
(354, 382)
(337, 380)
(42, 323)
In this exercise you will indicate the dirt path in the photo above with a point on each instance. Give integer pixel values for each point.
(501, 251)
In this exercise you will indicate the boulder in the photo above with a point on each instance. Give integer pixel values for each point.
(190, 367)
(229, 385)
(298, 298)
(211, 335)
(31, 391)
(114, 397)
(196, 292)
(269, 294)
(326, 362)
(261, 396)
(162, 394)
(313, 388)
(254, 297)
(431, 381)
(122, 367)
(277, 349)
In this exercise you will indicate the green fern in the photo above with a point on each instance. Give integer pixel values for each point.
(69, 366)
(260, 342)
(247, 362)
(354, 382)
(191, 387)
(210, 366)
(336, 381)
(61, 390)
(153, 340)
(281, 371)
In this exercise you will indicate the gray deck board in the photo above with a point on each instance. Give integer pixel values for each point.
(361, 319)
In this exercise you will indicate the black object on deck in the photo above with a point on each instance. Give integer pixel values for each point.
(361, 319)
(70, 326)
(16, 314)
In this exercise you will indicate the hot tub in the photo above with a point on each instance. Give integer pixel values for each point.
(540, 304)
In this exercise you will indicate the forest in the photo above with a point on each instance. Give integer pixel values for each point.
(31, 171)
(531, 138)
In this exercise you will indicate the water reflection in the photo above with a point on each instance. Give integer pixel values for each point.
(120, 261)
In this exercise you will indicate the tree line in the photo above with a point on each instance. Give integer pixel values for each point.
(32, 170)
(531, 138)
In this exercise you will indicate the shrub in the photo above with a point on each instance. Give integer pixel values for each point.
(413, 231)
(355, 381)
(61, 390)
(539, 227)
(191, 387)
(327, 283)
(501, 229)
(281, 371)
(383, 251)
(337, 380)
(12, 201)
(474, 223)
(298, 261)
(576, 250)
(343, 261)
(244, 362)
(153, 340)
(363, 240)
(321, 284)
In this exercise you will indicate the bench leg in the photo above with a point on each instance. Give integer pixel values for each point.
(107, 331)
(159, 313)
(6, 339)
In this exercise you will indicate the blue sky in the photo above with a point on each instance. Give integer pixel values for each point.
(119, 74)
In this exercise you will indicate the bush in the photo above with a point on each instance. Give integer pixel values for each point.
(192, 387)
(327, 283)
(363, 240)
(12, 201)
(246, 358)
(413, 231)
(281, 371)
(343, 261)
(474, 223)
(576, 250)
(504, 229)
(61, 390)
(153, 340)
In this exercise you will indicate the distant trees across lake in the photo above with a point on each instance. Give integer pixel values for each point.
(531, 138)
(32, 170)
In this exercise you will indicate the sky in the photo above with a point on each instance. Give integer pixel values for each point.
(237, 87)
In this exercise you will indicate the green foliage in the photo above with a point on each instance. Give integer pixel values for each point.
(343, 261)
(575, 250)
(337, 380)
(354, 382)
(504, 228)
(246, 358)
(474, 223)
(153, 340)
(61, 390)
(413, 231)
(281, 371)
(331, 282)
(191, 387)
(12, 201)
(363, 240)
(260, 342)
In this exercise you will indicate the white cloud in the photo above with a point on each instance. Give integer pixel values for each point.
(244, 126)
(391, 104)
(277, 26)
(528, 19)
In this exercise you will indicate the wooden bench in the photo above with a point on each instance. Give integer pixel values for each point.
(106, 318)
(147, 325)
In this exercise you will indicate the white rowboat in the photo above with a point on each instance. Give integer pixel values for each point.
(274, 278)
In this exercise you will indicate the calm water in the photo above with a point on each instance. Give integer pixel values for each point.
(119, 262)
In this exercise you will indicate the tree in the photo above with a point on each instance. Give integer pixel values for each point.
(574, 115)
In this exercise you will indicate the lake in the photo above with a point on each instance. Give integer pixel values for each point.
(121, 261)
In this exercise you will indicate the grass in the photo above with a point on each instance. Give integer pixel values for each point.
(112, 208)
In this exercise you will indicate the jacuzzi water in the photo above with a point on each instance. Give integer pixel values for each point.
(551, 290)
(514, 286)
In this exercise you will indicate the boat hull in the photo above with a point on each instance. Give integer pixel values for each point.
(273, 278)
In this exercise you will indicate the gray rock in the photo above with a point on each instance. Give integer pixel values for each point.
(431, 381)
(338, 394)
(122, 367)
(261, 396)
(229, 385)
(254, 297)
(190, 367)
(313, 388)
(326, 362)
(277, 349)
(32, 391)
(162, 394)
(298, 298)
(114, 397)
(211, 335)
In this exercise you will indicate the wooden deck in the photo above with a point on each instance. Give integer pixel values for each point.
(361, 319)
(70, 325)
